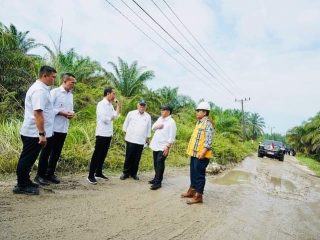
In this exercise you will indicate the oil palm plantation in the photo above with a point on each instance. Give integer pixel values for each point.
(130, 80)
(255, 126)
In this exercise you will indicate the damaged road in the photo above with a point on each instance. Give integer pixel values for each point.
(259, 199)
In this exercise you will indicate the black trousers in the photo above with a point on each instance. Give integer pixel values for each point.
(57, 145)
(132, 160)
(43, 159)
(159, 165)
(30, 152)
(100, 152)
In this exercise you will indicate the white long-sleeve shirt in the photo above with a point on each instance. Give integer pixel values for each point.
(164, 136)
(37, 98)
(137, 127)
(62, 101)
(105, 116)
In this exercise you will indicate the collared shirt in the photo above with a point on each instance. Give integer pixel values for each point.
(209, 132)
(137, 127)
(164, 136)
(37, 98)
(105, 116)
(62, 101)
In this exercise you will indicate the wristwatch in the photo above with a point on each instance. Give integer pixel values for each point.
(42, 133)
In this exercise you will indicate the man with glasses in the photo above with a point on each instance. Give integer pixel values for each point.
(199, 150)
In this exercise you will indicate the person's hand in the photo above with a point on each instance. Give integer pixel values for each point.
(70, 115)
(202, 153)
(166, 151)
(42, 140)
(159, 126)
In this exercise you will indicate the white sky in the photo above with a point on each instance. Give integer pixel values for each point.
(269, 49)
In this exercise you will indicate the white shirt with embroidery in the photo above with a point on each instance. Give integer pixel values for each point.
(137, 127)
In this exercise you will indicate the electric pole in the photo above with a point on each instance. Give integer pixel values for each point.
(242, 110)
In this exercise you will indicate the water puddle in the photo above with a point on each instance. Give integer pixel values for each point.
(282, 185)
(234, 177)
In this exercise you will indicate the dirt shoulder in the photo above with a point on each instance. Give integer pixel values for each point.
(259, 199)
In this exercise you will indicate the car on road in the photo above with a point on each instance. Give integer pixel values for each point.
(272, 149)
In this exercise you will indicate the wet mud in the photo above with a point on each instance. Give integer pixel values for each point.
(259, 199)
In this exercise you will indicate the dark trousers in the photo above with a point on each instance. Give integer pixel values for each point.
(132, 160)
(30, 152)
(43, 159)
(100, 152)
(159, 166)
(198, 173)
(57, 145)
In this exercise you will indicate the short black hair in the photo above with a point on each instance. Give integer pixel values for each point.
(167, 108)
(46, 70)
(67, 75)
(107, 90)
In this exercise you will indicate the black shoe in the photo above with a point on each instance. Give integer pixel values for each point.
(33, 184)
(101, 177)
(124, 176)
(41, 180)
(92, 180)
(29, 190)
(135, 177)
(53, 178)
(155, 186)
(152, 181)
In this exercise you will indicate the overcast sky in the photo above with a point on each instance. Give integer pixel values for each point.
(268, 50)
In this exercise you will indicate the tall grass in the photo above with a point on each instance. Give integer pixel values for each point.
(80, 142)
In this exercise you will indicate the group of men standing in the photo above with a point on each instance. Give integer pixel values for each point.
(46, 122)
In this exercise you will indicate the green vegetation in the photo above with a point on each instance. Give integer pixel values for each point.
(306, 138)
(18, 70)
(313, 164)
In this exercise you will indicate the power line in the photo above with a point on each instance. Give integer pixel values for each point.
(190, 43)
(159, 35)
(128, 19)
(182, 47)
(200, 45)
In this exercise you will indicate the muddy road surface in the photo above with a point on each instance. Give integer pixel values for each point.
(259, 199)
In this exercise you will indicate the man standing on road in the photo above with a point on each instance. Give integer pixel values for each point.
(62, 100)
(163, 138)
(37, 126)
(104, 131)
(137, 126)
(199, 150)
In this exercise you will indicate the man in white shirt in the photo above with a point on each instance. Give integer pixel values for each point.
(62, 100)
(104, 131)
(37, 126)
(137, 126)
(163, 138)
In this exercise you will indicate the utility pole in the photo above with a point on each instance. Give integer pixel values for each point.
(271, 132)
(243, 124)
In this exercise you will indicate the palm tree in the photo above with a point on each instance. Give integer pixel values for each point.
(20, 40)
(255, 125)
(129, 80)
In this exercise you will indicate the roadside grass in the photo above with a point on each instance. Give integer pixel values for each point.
(313, 164)
(80, 141)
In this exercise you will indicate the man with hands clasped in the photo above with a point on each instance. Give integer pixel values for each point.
(163, 138)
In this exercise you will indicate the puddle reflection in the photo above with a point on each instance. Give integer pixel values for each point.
(234, 177)
(280, 184)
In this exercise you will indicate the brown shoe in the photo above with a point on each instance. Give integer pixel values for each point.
(189, 194)
(196, 199)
